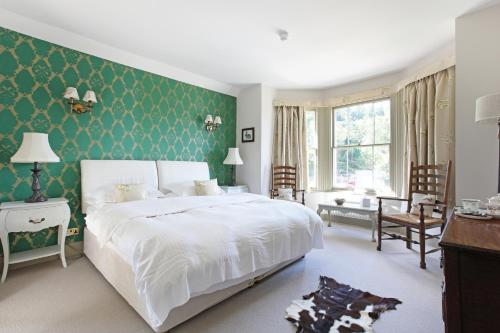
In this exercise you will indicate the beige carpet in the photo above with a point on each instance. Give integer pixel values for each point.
(48, 298)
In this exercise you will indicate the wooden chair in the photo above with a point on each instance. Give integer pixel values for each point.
(430, 180)
(283, 176)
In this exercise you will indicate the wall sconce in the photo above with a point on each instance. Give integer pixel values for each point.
(212, 124)
(89, 99)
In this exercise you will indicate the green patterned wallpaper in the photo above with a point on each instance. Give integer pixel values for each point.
(139, 115)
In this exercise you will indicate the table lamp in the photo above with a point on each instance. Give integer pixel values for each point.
(488, 111)
(233, 158)
(35, 149)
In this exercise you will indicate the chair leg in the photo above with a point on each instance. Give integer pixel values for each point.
(422, 247)
(379, 232)
(408, 236)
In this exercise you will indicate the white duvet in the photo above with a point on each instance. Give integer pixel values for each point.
(182, 246)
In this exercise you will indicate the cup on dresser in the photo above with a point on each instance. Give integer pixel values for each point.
(470, 205)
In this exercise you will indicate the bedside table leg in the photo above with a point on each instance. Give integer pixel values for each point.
(61, 241)
(5, 247)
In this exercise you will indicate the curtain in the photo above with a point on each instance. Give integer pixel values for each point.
(429, 112)
(290, 146)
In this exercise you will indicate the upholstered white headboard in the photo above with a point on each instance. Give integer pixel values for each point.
(179, 171)
(98, 173)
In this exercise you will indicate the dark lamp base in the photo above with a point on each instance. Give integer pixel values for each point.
(37, 195)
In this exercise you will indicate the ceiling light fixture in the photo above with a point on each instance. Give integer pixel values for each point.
(283, 35)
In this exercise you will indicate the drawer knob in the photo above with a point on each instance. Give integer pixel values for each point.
(36, 221)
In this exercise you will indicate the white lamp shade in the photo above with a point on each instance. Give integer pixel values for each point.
(233, 157)
(488, 108)
(90, 97)
(208, 119)
(71, 92)
(217, 120)
(35, 148)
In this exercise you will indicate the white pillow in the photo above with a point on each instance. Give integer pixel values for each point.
(285, 194)
(109, 194)
(418, 198)
(101, 196)
(182, 189)
(207, 187)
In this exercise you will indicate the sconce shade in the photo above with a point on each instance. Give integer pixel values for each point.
(90, 97)
(34, 148)
(233, 157)
(71, 92)
(208, 119)
(217, 120)
(488, 108)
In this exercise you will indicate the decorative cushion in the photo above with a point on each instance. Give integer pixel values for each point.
(207, 187)
(130, 192)
(285, 194)
(421, 198)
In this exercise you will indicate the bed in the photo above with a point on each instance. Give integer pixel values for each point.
(173, 257)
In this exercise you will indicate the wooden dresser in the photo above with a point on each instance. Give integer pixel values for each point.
(471, 293)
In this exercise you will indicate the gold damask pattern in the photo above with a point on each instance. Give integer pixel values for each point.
(139, 115)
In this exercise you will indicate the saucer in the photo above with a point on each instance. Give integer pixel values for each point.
(476, 216)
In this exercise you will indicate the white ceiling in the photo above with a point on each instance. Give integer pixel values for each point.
(331, 42)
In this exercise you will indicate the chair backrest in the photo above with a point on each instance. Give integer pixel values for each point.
(283, 176)
(433, 180)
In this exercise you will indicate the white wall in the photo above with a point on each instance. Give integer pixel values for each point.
(248, 114)
(477, 74)
(255, 109)
(267, 134)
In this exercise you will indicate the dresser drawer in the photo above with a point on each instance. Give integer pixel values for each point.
(35, 219)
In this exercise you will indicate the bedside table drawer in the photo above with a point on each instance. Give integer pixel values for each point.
(34, 219)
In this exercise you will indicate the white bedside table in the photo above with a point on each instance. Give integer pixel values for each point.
(235, 189)
(18, 216)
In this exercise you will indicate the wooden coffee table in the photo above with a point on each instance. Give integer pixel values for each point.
(352, 210)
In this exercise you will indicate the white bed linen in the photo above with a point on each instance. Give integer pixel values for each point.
(181, 246)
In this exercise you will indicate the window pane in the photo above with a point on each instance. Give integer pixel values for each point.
(381, 167)
(382, 113)
(340, 176)
(361, 139)
(312, 146)
(354, 167)
(312, 136)
(312, 162)
(341, 124)
(360, 167)
(361, 124)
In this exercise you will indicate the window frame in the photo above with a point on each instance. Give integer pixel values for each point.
(333, 146)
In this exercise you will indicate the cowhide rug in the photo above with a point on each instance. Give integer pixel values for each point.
(337, 307)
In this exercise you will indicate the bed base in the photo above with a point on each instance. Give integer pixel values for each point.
(119, 274)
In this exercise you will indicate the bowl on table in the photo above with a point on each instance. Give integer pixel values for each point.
(339, 201)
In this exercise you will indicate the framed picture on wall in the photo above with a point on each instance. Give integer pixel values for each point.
(248, 134)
